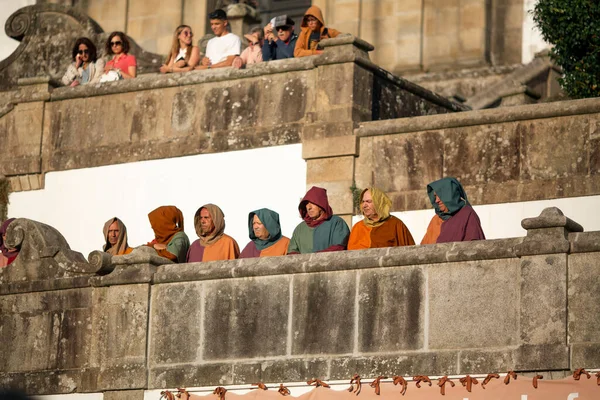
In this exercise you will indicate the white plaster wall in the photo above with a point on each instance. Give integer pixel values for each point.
(504, 220)
(532, 38)
(7, 7)
(78, 202)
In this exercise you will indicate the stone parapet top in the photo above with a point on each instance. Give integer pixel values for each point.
(479, 117)
(347, 39)
(551, 218)
(339, 261)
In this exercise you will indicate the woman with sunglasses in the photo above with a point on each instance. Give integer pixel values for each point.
(123, 63)
(86, 66)
(184, 56)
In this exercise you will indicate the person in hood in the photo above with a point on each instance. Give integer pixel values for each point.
(320, 230)
(455, 219)
(312, 31)
(213, 244)
(265, 235)
(378, 228)
(7, 254)
(115, 238)
(170, 241)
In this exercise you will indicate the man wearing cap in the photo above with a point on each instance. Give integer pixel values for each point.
(320, 230)
(224, 47)
(280, 40)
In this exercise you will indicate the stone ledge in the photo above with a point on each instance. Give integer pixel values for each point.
(339, 261)
(584, 242)
(330, 147)
(479, 117)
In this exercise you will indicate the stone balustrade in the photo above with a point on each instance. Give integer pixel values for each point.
(138, 322)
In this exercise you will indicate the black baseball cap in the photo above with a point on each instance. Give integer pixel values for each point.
(218, 14)
(282, 21)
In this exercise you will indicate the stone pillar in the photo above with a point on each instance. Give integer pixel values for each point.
(505, 31)
(543, 302)
(241, 18)
(454, 33)
(344, 96)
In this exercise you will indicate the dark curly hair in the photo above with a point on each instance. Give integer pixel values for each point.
(90, 45)
(124, 39)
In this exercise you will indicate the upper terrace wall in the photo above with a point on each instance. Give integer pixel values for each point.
(503, 155)
(134, 322)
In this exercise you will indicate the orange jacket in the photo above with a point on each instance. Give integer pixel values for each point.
(302, 44)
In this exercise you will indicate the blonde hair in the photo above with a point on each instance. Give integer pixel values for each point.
(175, 46)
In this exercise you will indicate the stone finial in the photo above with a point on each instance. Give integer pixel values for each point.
(138, 266)
(551, 217)
(105, 262)
(548, 233)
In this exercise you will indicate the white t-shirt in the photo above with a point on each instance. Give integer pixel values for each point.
(219, 48)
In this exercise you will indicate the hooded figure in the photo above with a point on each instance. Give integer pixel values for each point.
(378, 228)
(117, 234)
(170, 241)
(311, 33)
(8, 254)
(321, 230)
(213, 244)
(455, 219)
(265, 235)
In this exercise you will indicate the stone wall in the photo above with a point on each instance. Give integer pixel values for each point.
(123, 323)
(502, 155)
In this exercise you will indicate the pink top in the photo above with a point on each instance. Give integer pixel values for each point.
(252, 55)
(123, 62)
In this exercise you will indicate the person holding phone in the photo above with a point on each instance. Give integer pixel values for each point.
(86, 66)
(280, 39)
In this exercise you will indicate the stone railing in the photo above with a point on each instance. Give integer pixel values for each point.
(133, 322)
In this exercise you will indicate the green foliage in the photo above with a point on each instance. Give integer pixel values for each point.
(356, 198)
(4, 191)
(573, 27)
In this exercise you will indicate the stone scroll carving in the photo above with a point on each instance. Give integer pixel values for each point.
(47, 33)
(44, 252)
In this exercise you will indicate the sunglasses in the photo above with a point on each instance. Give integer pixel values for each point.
(117, 43)
(309, 20)
(282, 28)
(86, 51)
(187, 33)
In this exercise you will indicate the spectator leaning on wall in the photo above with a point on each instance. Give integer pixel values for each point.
(222, 49)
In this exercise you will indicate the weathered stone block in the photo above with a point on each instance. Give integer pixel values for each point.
(455, 294)
(120, 318)
(391, 309)
(323, 313)
(538, 151)
(190, 375)
(495, 147)
(281, 370)
(542, 357)
(124, 395)
(543, 302)
(584, 297)
(246, 318)
(175, 319)
(432, 363)
(585, 355)
(402, 162)
(486, 361)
